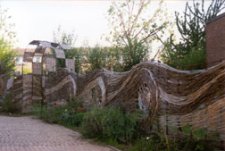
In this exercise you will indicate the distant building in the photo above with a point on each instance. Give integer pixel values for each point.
(19, 56)
(215, 40)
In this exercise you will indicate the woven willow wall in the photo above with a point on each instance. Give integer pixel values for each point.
(176, 97)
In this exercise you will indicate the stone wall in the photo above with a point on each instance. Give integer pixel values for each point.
(215, 40)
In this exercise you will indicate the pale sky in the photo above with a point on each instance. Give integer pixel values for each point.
(37, 19)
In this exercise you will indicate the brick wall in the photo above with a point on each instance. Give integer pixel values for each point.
(215, 40)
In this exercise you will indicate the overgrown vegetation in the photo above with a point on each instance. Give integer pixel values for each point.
(110, 123)
(190, 52)
(131, 35)
(186, 139)
(70, 115)
(198, 139)
(8, 106)
(92, 58)
(114, 126)
(132, 31)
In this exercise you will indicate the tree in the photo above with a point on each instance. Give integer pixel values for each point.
(104, 57)
(62, 37)
(189, 53)
(132, 31)
(97, 58)
(6, 40)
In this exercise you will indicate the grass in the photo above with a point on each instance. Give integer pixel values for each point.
(115, 127)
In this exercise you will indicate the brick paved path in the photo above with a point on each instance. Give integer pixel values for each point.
(27, 134)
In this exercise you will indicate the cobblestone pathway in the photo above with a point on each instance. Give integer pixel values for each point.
(27, 134)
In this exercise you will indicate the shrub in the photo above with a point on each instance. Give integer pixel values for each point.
(69, 115)
(190, 52)
(187, 140)
(9, 106)
(198, 139)
(194, 59)
(155, 142)
(110, 124)
(134, 54)
(48, 114)
(39, 111)
(70, 118)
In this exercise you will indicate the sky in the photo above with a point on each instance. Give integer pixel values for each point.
(87, 19)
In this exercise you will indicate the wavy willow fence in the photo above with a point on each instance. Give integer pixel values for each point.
(175, 97)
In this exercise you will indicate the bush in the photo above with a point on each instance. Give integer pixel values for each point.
(48, 114)
(69, 115)
(155, 142)
(133, 54)
(194, 59)
(9, 106)
(187, 140)
(198, 139)
(71, 119)
(110, 124)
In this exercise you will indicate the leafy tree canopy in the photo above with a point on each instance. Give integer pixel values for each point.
(133, 29)
(7, 37)
(190, 52)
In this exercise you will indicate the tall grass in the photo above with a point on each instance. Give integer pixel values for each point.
(110, 123)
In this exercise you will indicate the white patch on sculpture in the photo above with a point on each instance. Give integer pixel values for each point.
(102, 87)
(70, 65)
(37, 68)
(9, 83)
(59, 53)
(50, 64)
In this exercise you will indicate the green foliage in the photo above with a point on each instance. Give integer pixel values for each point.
(155, 142)
(187, 140)
(133, 54)
(116, 127)
(97, 58)
(73, 113)
(27, 69)
(6, 38)
(60, 63)
(198, 139)
(69, 115)
(189, 53)
(104, 57)
(48, 114)
(177, 58)
(132, 30)
(77, 54)
(90, 59)
(110, 124)
(6, 57)
(62, 37)
(8, 106)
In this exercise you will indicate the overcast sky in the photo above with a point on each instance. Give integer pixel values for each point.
(37, 19)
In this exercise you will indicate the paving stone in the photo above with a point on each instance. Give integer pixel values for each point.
(30, 134)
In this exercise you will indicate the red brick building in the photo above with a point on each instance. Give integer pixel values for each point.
(215, 40)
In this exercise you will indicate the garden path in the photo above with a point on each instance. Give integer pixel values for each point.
(30, 134)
